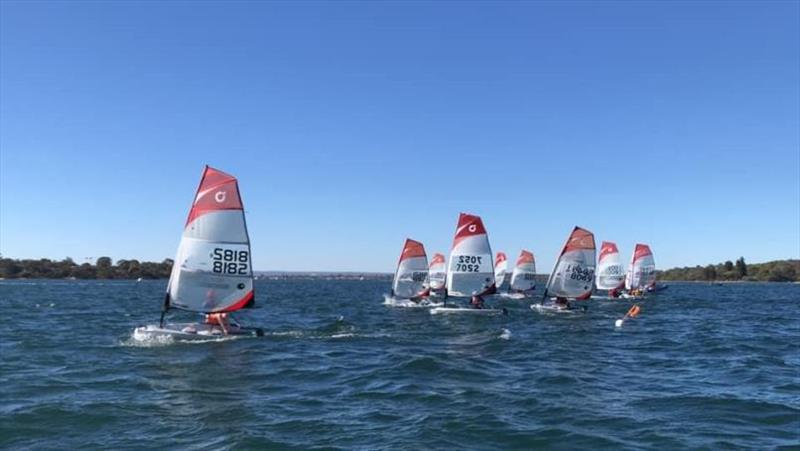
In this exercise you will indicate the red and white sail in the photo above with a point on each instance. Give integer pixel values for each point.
(471, 267)
(642, 272)
(437, 272)
(610, 272)
(212, 270)
(412, 271)
(523, 277)
(500, 269)
(573, 274)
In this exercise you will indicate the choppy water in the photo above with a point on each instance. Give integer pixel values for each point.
(703, 366)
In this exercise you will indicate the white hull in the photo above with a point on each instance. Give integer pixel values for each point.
(513, 296)
(191, 331)
(551, 308)
(470, 311)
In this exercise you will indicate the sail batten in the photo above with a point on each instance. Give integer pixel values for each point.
(573, 273)
(212, 270)
(470, 270)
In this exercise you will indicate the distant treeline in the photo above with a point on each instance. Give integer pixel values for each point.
(102, 269)
(775, 271)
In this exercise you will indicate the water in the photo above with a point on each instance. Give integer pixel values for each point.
(703, 367)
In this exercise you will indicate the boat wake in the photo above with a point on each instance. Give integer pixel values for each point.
(390, 301)
(142, 339)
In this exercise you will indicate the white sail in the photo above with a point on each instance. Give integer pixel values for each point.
(642, 272)
(471, 267)
(573, 274)
(610, 272)
(500, 269)
(212, 270)
(412, 271)
(523, 277)
(437, 272)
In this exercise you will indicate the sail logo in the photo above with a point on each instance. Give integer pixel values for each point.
(220, 196)
(472, 228)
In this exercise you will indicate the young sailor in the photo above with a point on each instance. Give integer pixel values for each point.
(562, 303)
(218, 319)
(477, 302)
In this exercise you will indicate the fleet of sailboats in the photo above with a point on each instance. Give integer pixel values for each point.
(213, 275)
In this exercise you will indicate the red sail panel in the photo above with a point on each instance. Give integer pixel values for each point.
(607, 248)
(438, 259)
(217, 191)
(524, 257)
(579, 239)
(641, 250)
(501, 257)
(468, 225)
(412, 249)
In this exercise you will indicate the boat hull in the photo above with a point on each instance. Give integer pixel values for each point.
(193, 331)
(467, 311)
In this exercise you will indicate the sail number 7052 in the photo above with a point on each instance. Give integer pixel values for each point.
(229, 261)
(468, 263)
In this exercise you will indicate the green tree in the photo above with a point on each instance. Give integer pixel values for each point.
(728, 265)
(741, 267)
(710, 272)
(782, 272)
(104, 270)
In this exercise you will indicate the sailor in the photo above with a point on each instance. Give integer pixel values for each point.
(218, 319)
(614, 293)
(476, 302)
(562, 303)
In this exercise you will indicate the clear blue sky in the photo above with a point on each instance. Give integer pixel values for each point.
(354, 125)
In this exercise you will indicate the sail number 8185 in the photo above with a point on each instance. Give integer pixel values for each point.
(229, 261)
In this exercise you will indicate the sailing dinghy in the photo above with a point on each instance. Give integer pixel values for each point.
(500, 269)
(437, 274)
(610, 274)
(470, 271)
(410, 285)
(523, 276)
(573, 274)
(641, 275)
(212, 273)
